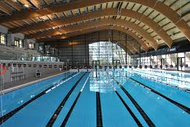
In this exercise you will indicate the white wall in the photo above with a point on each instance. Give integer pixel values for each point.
(3, 29)
(21, 73)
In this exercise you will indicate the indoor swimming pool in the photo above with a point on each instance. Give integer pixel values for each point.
(120, 98)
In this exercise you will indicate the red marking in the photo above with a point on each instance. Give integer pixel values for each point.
(3, 69)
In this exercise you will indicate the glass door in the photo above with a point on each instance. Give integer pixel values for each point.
(95, 63)
(116, 62)
(180, 63)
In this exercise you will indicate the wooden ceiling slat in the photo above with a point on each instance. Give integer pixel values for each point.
(44, 18)
(26, 21)
(50, 17)
(34, 20)
(96, 14)
(159, 6)
(48, 1)
(16, 23)
(58, 1)
(101, 22)
(13, 24)
(14, 4)
(5, 8)
(25, 3)
(59, 15)
(8, 25)
(98, 28)
(36, 3)
(58, 8)
(19, 23)
(66, 13)
(181, 24)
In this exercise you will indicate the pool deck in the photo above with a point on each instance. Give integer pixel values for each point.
(8, 87)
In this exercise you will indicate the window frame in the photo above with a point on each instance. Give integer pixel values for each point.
(18, 43)
(31, 45)
(5, 39)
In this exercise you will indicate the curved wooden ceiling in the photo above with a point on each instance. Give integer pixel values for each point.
(152, 22)
(99, 28)
(126, 42)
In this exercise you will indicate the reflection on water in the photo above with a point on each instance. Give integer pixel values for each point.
(176, 79)
(102, 81)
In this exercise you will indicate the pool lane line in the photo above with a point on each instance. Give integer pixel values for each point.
(61, 105)
(181, 106)
(14, 111)
(73, 105)
(141, 111)
(98, 110)
(27, 84)
(169, 85)
(129, 110)
(127, 107)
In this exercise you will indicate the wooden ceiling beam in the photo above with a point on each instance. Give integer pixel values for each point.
(68, 20)
(124, 23)
(156, 5)
(26, 4)
(100, 13)
(36, 3)
(98, 28)
(14, 4)
(5, 8)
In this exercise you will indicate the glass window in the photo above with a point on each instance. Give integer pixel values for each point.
(3, 38)
(106, 53)
(181, 54)
(31, 46)
(187, 58)
(18, 43)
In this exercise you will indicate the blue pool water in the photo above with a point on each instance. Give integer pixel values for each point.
(88, 100)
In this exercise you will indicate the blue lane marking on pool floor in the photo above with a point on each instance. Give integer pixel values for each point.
(13, 112)
(183, 107)
(69, 103)
(85, 109)
(41, 107)
(73, 105)
(58, 110)
(99, 120)
(102, 101)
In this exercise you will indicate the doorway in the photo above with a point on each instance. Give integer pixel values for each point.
(95, 63)
(116, 62)
(180, 63)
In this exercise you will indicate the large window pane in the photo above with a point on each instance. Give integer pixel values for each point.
(107, 53)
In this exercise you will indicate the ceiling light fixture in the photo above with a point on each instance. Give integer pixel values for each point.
(26, 5)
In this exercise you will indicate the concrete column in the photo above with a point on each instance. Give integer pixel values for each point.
(3, 29)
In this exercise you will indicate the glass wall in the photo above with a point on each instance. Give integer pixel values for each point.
(45, 58)
(107, 53)
(187, 59)
(174, 61)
